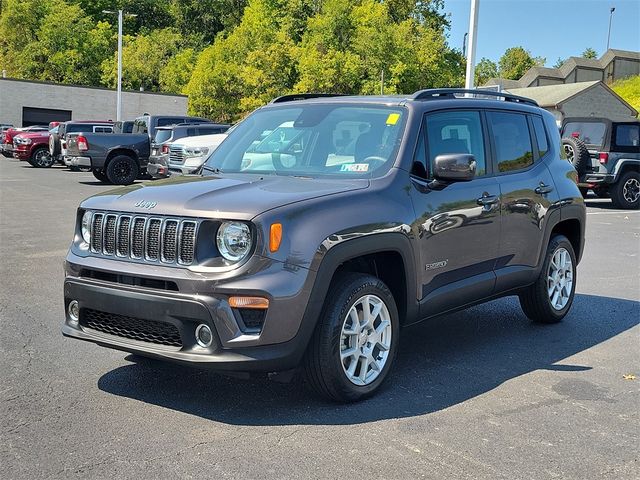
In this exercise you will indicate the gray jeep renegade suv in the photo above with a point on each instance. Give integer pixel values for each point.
(324, 224)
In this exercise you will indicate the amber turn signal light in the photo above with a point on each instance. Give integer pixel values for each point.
(249, 302)
(275, 237)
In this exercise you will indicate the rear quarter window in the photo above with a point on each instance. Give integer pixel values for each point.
(541, 135)
(628, 136)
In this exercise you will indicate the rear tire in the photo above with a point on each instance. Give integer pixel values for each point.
(122, 170)
(577, 153)
(625, 193)
(343, 327)
(549, 299)
(100, 175)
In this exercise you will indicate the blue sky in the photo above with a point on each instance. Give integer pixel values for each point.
(547, 28)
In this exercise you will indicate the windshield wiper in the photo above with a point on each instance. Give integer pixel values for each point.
(215, 170)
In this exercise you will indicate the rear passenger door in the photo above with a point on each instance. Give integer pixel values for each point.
(458, 223)
(520, 145)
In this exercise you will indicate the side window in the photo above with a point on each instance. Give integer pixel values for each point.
(628, 136)
(455, 131)
(541, 135)
(512, 140)
(140, 126)
(192, 132)
(207, 131)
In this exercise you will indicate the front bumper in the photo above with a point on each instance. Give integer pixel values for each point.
(21, 154)
(279, 346)
(190, 165)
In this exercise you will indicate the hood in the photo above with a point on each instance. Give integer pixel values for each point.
(239, 196)
(32, 135)
(201, 140)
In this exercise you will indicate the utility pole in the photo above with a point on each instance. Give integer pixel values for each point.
(613, 9)
(471, 57)
(382, 82)
(119, 87)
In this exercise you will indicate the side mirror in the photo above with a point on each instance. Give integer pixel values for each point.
(455, 167)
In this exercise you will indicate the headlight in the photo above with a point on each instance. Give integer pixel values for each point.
(23, 141)
(195, 151)
(234, 241)
(85, 228)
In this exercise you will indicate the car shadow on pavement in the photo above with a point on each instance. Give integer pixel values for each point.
(441, 363)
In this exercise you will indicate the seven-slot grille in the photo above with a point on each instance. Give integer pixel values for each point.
(153, 239)
(175, 154)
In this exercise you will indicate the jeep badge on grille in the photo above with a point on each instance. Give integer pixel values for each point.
(145, 204)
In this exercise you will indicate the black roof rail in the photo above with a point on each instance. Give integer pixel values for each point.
(438, 93)
(304, 96)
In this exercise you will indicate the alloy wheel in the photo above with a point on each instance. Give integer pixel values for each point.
(365, 340)
(568, 150)
(41, 158)
(631, 190)
(560, 279)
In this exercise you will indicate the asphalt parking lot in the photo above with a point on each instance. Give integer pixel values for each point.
(481, 394)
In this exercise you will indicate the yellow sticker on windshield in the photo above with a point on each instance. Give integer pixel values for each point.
(393, 118)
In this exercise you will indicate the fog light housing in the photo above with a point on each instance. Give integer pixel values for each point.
(204, 335)
(74, 312)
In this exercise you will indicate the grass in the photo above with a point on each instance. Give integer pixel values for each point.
(629, 89)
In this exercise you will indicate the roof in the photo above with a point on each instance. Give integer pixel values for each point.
(567, 67)
(554, 95)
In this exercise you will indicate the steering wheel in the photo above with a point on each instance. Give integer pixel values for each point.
(375, 161)
(289, 163)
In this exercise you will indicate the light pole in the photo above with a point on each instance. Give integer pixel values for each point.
(613, 9)
(119, 87)
(471, 57)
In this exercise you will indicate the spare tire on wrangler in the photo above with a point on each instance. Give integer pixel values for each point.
(577, 153)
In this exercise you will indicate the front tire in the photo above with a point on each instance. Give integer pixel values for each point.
(122, 170)
(355, 342)
(549, 299)
(626, 191)
(41, 158)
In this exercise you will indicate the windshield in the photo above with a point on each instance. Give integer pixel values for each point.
(162, 135)
(311, 140)
(591, 133)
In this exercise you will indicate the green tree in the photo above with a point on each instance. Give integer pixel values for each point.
(143, 58)
(485, 69)
(559, 62)
(19, 24)
(589, 53)
(515, 62)
(175, 75)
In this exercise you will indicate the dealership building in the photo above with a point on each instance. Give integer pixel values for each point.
(24, 103)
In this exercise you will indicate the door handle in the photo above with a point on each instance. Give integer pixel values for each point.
(543, 189)
(486, 200)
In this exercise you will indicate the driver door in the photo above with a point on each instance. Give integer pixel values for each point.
(459, 223)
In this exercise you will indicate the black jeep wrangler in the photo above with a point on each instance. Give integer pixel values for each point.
(606, 154)
(321, 226)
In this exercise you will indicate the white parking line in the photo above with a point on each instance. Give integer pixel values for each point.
(620, 212)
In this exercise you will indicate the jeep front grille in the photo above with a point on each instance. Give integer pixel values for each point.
(142, 330)
(150, 239)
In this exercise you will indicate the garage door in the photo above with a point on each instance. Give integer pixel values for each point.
(42, 116)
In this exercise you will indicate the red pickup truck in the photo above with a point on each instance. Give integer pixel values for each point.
(33, 147)
(7, 138)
